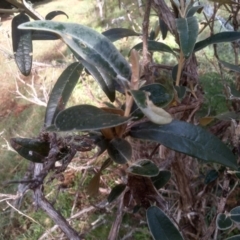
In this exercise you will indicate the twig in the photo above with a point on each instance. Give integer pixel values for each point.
(145, 25)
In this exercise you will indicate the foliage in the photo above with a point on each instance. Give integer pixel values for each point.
(155, 111)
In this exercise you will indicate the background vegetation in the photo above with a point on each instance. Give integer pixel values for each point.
(22, 113)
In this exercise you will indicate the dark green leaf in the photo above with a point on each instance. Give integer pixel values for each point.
(211, 176)
(61, 91)
(22, 44)
(87, 117)
(235, 214)
(194, 9)
(53, 14)
(181, 91)
(43, 35)
(217, 38)
(115, 34)
(119, 150)
(238, 173)
(234, 93)
(174, 72)
(233, 67)
(92, 46)
(144, 167)
(236, 237)
(161, 227)
(160, 95)
(154, 113)
(228, 116)
(187, 138)
(154, 46)
(188, 32)
(161, 179)
(163, 28)
(116, 192)
(107, 86)
(31, 149)
(223, 222)
(106, 164)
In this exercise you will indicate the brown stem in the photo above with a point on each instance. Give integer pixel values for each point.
(145, 26)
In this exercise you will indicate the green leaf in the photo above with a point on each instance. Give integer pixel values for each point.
(31, 149)
(228, 116)
(233, 67)
(181, 91)
(161, 179)
(188, 32)
(53, 14)
(154, 46)
(92, 46)
(115, 34)
(87, 117)
(163, 28)
(236, 237)
(237, 173)
(61, 91)
(194, 9)
(22, 44)
(119, 150)
(116, 192)
(217, 38)
(160, 95)
(211, 176)
(187, 138)
(174, 72)
(235, 214)
(234, 93)
(107, 87)
(144, 167)
(154, 113)
(223, 222)
(106, 164)
(161, 227)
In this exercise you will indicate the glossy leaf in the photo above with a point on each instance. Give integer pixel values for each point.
(174, 72)
(43, 35)
(223, 222)
(108, 88)
(119, 150)
(181, 91)
(53, 14)
(144, 167)
(163, 28)
(237, 173)
(22, 44)
(211, 176)
(236, 237)
(161, 227)
(228, 116)
(161, 179)
(92, 46)
(188, 32)
(187, 138)
(87, 117)
(154, 46)
(61, 91)
(116, 192)
(154, 113)
(194, 9)
(235, 214)
(217, 38)
(159, 95)
(115, 34)
(230, 66)
(31, 149)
